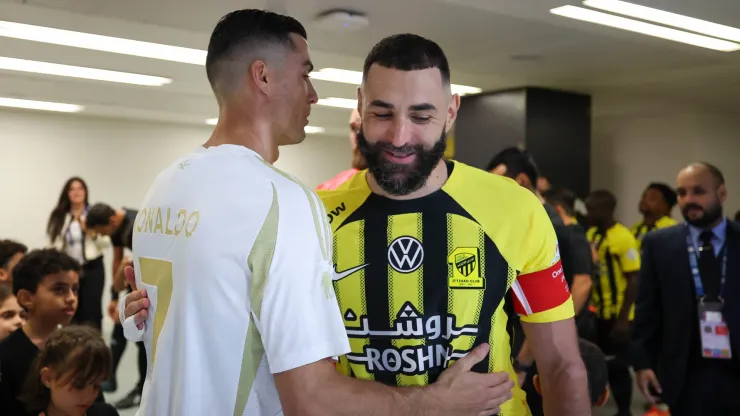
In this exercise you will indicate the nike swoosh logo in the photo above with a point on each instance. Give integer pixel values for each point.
(341, 275)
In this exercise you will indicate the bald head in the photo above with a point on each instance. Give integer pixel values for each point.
(242, 37)
(701, 193)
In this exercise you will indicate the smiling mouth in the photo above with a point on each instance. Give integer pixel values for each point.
(399, 157)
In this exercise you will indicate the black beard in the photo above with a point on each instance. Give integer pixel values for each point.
(396, 178)
(711, 215)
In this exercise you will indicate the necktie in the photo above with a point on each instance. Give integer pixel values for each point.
(708, 266)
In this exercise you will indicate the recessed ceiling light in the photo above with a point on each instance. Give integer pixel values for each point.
(102, 43)
(307, 129)
(666, 18)
(355, 78)
(649, 29)
(338, 102)
(12, 64)
(40, 105)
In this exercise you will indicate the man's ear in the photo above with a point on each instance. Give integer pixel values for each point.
(359, 100)
(722, 193)
(4, 275)
(603, 398)
(260, 75)
(25, 299)
(536, 382)
(452, 110)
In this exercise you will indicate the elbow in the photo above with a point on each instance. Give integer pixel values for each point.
(569, 370)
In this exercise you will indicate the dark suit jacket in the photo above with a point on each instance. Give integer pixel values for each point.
(665, 311)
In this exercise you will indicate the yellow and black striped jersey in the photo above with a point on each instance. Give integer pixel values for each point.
(421, 282)
(618, 255)
(640, 229)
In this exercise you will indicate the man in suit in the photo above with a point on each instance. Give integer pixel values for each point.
(686, 270)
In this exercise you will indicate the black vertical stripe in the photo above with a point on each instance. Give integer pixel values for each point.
(376, 284)
(434, 239)
(612, 285)
(497, 272)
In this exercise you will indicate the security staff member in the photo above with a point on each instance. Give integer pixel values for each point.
(687, 319)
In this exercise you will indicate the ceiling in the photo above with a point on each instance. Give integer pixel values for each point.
(491, 44)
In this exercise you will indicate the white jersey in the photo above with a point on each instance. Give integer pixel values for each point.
(235, 257)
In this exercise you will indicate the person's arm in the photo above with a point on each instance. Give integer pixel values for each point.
(300, 324)
(117, 257)
(582, 265)
(646, 340)
(318, 389)
(543, 301)
(629, 261)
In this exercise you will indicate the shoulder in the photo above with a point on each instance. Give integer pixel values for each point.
(665, 222)
(591, 232)
(636, 227)
(620, 235)
(493, 197)
(662, 235)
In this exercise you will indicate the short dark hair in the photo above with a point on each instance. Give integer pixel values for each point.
(37, 264)
(77, 354)
(99, 215)
(247, 31)
(407, 52)
(517, 161)
(563, 197)
(8, 249)
(596, 369)
(605, 198)
(669, 195)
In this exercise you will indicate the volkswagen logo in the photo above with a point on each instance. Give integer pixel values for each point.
(405, 254)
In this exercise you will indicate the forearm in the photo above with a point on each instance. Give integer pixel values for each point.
(580, 291)
(119, 279)
(567, 380)
(630, 294)
(352, 397)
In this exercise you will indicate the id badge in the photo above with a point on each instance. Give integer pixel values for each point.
(715, 336)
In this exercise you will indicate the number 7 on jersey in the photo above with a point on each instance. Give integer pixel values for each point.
(158, 273)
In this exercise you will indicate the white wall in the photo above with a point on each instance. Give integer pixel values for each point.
(118, 159)
(629, 152)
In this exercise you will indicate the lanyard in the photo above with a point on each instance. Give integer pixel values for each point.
(694, 263)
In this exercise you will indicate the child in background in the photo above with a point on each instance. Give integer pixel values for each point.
(598, 376)
(11, 253)
(11, 314)
(45, 282)
(66, 376)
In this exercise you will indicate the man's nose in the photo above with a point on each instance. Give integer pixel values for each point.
(401, 133)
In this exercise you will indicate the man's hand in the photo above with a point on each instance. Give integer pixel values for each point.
(645, 380)
(137, 301)
(460, 391)
(113, 311)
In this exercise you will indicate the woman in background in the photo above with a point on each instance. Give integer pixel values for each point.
(66, 231)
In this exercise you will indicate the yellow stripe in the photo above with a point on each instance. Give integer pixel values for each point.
(349, 252)
(404, 287)
(464, 239)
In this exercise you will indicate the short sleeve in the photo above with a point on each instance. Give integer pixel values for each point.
(296, 314)
(628, 252)
(540, 292)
